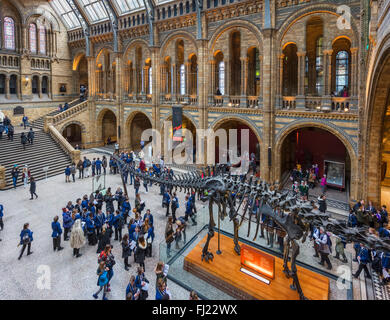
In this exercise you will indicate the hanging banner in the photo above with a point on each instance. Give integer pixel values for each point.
(177, 123)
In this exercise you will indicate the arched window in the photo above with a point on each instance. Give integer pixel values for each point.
(182, 79)
(150, 80)
(33, 38)
(342, 61)
(221, 77)
(9, 33)
(42, 40)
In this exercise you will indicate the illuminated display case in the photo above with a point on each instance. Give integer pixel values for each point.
(335, 173)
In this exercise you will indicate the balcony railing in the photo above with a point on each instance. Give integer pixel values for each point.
(340, 104)
(288, 103)
(318, 104)
(105, 96)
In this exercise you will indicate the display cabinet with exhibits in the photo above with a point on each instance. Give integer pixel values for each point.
(335, 173)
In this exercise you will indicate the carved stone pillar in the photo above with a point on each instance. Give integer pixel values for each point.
(300, 99)
(213, 77)
(328, 72)
(174, 82)
(188, 82)
(40, 87)
(354, 73)
(7, 93)
(226, 97)
(280, 86)
(244, 76)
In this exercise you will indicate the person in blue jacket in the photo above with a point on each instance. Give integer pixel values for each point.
(126, 207)
(110, 221)
(90, 226)
(56, 234)
(98, 164)
(149, 216)
(132, 225)
(364, 259)
(67, 222)
(132, 292)
(26, 237)
(118, 225)
(99, 220)
(166, 202)
(174, 206)
(67, 174)
(188, 212)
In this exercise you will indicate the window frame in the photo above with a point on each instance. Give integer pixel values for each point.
(5, 36)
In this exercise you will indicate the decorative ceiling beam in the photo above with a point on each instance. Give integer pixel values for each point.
(199, 9)
(149, 6)
(114, 22)
(84, 24)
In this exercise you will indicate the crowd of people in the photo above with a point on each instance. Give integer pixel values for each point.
(105, 217)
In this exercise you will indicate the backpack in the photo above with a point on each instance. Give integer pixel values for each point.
(26, 238)
(88, 162)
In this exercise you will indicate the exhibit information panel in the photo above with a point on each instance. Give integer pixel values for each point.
(258, 261)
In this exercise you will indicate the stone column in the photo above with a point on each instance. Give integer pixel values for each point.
(354, 73)
(40, 87)
(19, 87)
(7, 92)
(300, 98)
(212, 77)
(118, 78)
(279, 89)
(268, 170)
(260, 92)
(187, 66)
(226, 97)
(327, 99)
(244, 82)
(174, 81)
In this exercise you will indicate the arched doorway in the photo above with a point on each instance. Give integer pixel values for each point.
(139, 123)
(12, 84)
(80, 69)
(109, 131)
(34, 85)
(376, 179)
(308, 146)
(72, 133)
(44, 85)
(2, 84)
(239, 125)
(171, 144)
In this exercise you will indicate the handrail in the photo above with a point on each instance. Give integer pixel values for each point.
(64, 144)
(72, 110)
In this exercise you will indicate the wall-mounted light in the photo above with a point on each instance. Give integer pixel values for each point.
(26, 80)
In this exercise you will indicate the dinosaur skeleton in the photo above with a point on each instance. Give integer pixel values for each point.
(292, 216)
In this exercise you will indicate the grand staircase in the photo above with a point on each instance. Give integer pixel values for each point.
(45, 153)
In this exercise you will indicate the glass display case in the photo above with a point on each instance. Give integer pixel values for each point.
(335, 173)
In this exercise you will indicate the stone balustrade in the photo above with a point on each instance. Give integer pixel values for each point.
(3, 182)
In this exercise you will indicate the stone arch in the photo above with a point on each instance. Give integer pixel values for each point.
(378, 101)
(55, 25)
(235, 24)
(350, 147)
(181, 34)
(315, 9)
(133, 44)
(128, 126)
(76, 60)
(99, 123)
(78, 123)
(249, 123)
